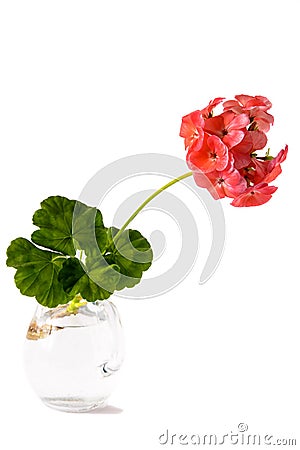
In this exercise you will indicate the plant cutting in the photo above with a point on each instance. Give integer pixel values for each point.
(74, 262)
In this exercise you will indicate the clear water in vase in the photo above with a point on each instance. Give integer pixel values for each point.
(72, 360)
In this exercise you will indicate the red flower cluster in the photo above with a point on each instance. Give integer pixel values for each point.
(222, 149)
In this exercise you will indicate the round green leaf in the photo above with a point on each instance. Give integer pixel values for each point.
(67, 225)
(37, 272)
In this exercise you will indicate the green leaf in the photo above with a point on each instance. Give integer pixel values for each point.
(88, 229)
(133, 255)
(67, 225)
(95, 280)
(37, 272)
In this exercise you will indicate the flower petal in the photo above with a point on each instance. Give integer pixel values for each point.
(192, 130)
(259, 140)
(234, 184)
(215, 125)
(238, 122)
(220, 150)
(233, 138)
(212, 104)
(273, 174)
(243, 99)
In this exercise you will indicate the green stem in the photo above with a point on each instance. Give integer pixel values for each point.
(59, 257)
(75, 304)
(148, 200)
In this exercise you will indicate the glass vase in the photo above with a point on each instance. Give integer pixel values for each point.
(72, 359)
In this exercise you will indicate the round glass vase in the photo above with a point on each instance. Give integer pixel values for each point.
(72, 359)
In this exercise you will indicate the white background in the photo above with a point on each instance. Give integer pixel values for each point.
(84, 83)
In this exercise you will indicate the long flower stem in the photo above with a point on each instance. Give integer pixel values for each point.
(148, 200)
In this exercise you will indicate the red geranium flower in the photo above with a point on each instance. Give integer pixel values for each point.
(255, 195)
(228, 126)
(259, 171)
(212, 156)
(255, 108)
(274, 166)
(207, 112)
(226, 183)
(192, 130)
(261, 120)
(247, 102)
(267, 170)
(253, 140)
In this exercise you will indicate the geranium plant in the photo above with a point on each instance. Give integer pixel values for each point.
(73, 255)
